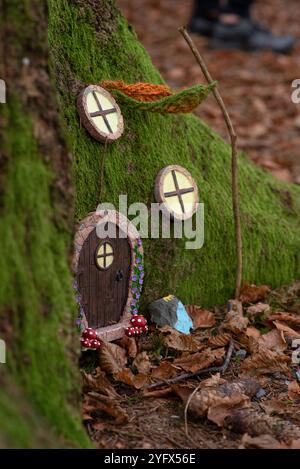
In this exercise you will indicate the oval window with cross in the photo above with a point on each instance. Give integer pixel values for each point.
(104, 256)
(177, 191)
(100, 114)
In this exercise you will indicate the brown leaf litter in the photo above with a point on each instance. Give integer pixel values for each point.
(253, 293)
(201, 318)
(117, 391)
(177, 341)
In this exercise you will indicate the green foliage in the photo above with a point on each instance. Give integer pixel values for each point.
(88, 46)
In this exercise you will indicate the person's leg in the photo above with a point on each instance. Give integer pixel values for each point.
(206, 8)
(204, 16)
(235, 29)
(240, 8)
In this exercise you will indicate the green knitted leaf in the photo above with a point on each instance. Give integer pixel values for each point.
(181, 102)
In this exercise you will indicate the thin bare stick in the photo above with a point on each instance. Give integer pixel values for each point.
(234, 169)
(222, 370)
(187, 408)
(213, 369)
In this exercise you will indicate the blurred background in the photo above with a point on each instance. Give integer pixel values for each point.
(256, 86)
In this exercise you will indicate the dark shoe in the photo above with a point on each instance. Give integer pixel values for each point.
(201, 26)
(250, 36)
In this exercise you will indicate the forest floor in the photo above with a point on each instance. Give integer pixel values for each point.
(256, 87)
(255, 403)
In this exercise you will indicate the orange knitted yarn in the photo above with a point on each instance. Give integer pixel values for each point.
(138, 91)
(158, 98)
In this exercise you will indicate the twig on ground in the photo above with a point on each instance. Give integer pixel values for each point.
(213, 369)
(234, 169)
(222, 370)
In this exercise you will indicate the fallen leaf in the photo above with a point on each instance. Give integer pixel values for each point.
(142, 363)
(288, 297)
(253, 293)
(98, 382)
(294, 391)
(136, 381)
(264, 361)
(259, 105)
(94, 402)
(286, 330)
(287, 317)
(141, 380)
(294, 444)
(164, 392)
(164, 371)
(183, 391)
(260, 442)
(213, 381)
(277, 407)
(125, 376)
(273, 340)
(219, 340)
(221, 407)
(217, 403)
(249, 338)
(129, 344)
(252, 332)
(257, 130)
(268, 442)
(201, 317)
(178, 341)
(112, 358)
(259, 308)
(235, 321)
(86, 417)
(199, 361)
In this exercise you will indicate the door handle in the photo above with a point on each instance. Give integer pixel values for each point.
(119, 276)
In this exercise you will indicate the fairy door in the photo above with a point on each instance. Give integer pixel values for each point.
(103, 278)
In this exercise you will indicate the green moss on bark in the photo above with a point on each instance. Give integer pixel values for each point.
(36, 286)
(21, 425)
(37, 310)
(87, 47)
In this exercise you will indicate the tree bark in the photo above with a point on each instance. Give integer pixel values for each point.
(37, 312)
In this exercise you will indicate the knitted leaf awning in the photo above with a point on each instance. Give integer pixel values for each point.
(158, 98)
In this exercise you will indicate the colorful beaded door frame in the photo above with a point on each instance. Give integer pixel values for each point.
(86, 226)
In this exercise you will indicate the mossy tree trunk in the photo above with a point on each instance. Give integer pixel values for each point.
(37, 314)
(89, 41)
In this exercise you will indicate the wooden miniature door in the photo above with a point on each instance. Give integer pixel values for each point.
(103, 278)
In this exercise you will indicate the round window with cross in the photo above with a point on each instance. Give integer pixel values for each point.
(100, 114)
(104, 256)
(177, 191)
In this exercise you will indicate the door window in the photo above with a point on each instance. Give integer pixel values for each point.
(104, 256)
